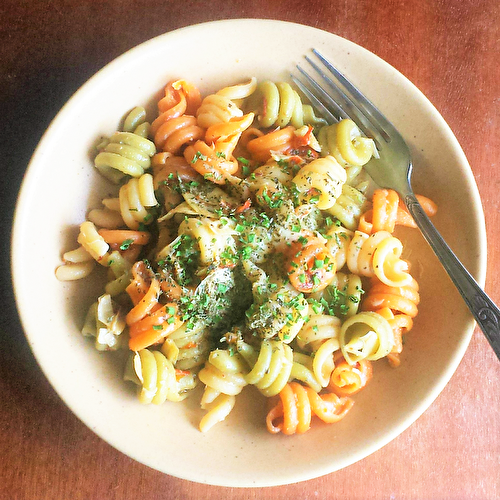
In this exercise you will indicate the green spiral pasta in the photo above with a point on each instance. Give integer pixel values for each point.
(343, 141)
(278, 104)
(128, 152)
(271, 368)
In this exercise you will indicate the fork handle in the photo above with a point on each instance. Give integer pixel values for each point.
(485, 312)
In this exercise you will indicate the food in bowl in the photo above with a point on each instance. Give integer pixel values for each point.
(246, 246)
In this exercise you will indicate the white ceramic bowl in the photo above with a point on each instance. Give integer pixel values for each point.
(61, 185)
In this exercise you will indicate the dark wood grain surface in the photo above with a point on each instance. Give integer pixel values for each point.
(449, 48)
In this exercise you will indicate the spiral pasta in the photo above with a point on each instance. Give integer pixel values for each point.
(157, 378)
(221, 107)
(366, 335)
(272, 368)
(320, 182)
(278, 104)
(298, 404)
(344, 142)
(126, 153)
(378, 255)
(175, 127)
(224, 377)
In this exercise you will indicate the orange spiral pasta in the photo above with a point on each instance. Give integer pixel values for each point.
(297, 405)
(175, 126)
(347, 379)
(400, 324)
(149, 321)
(278, 141)
(312, 267)
(212, 166)
(400, 300)
(389, 211)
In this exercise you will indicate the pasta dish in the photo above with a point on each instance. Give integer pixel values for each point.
(246, 246)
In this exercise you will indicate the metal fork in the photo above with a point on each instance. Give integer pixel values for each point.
(335, 98)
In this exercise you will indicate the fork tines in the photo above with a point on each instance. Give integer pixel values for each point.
(336, 98)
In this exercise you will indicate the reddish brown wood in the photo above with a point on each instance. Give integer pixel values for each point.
(448, 48)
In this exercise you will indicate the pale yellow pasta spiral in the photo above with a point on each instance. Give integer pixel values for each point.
(378, 255)
(220, 107)
(224, 378)
(271, 368)
(156, 377)
(320, 181)
(135, 198)
(366, 335)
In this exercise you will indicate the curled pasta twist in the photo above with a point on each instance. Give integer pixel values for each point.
(389, 210)
(220, 107)
(224, 378)
(125, 153)
(320, 182)
(93, 242)
(398, 305)
(348, 379)
(320, 335)
(77, 264)
(278, 141)
(175, 126)
(191, 346)
(278, 104)
(136, 122)
(271, 368)
(157, 378)
(366, 335)
(349, 207)
(105, 322)
(378, 255)
(297, 405)
(343, 141)
(135, 197)
(214, 158)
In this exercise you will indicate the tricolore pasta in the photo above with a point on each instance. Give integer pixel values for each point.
(246, 246)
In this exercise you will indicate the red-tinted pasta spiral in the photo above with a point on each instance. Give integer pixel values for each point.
(389, 211)
(175, 126)
(297, 404)
(149, 321)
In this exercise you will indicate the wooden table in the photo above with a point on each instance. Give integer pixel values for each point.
(448, 48)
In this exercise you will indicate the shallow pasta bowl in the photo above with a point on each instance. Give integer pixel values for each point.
(239, 451)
